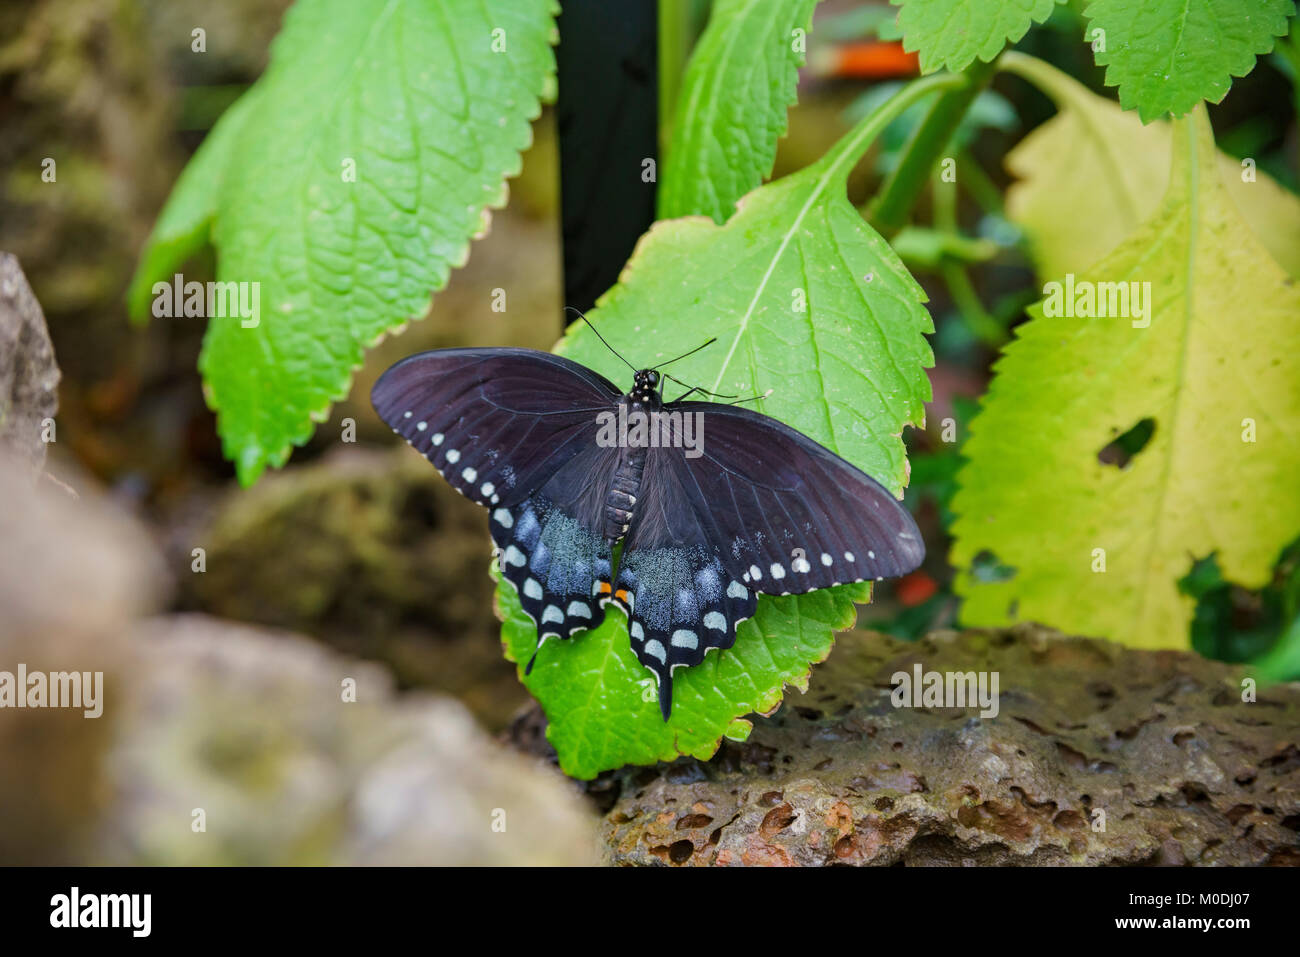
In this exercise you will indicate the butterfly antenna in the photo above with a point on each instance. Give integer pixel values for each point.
(685, 354)
(601, 338)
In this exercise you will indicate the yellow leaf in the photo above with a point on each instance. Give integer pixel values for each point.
(1218, 371)
(1091, 174)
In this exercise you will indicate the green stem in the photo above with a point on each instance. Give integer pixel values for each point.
(844, 154)
(674, 51)
(893, 204)
(978, 184)
(984, 326)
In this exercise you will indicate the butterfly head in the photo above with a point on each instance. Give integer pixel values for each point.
(645, 386)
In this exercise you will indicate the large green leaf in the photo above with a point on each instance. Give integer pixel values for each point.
(807, 300)
(1219, 350)
(185, 225)
(1168, 55)
(732, 107)
(952, 33)
(1117, 170)
(432, 103)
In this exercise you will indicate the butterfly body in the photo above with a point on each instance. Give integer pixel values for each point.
(757, 508)
(625, 484)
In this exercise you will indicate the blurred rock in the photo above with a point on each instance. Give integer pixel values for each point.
(73, 575)
(372, 552)
(29, 376)
(1161, 742)
(251, 727)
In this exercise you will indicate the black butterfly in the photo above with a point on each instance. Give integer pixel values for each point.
(763, 510)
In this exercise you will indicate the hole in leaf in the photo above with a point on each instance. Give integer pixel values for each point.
(1123, 448)
(985, 567)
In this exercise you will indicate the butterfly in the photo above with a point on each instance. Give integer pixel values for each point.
(713, 504)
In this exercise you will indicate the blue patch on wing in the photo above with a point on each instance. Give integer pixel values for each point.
(554, 563)
(681, 603)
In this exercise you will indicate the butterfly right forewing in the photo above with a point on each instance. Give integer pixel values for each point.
(497, 423)
(515, 430)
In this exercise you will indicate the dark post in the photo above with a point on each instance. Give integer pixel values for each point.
(607, 116)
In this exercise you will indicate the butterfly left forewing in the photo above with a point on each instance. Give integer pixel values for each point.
(791, 516)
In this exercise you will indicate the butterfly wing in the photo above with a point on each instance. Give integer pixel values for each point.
(764, 509)
(514, 429)
(550, 548)
(790, 515)
(680, 599)
(497, 423)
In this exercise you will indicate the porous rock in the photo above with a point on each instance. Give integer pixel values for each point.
(1099, 754)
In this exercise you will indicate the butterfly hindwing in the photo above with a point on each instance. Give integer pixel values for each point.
(550, 548)
(680, 600)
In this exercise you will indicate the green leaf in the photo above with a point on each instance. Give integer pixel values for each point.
(434, 120)
(952, 33)
(732, 109)
(1214, 363)
(1117, 170)
(601, 704)
(1282, 661)
(848, 372)
(185, 224)
(1168, 55)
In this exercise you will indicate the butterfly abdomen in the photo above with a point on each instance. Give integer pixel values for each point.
(624, 488)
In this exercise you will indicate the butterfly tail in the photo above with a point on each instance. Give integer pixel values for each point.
(666, 694)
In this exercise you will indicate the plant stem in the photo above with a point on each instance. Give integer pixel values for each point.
(675, 39)
(849, 149)
(893, 204)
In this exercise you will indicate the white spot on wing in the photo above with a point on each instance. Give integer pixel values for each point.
(533, 590)
(655, 649)
(737, 590)
(715, 621)
(682, 638)
(777, 570)
(503, 518)
(826, 560)
(552, 614)
(453, 456)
